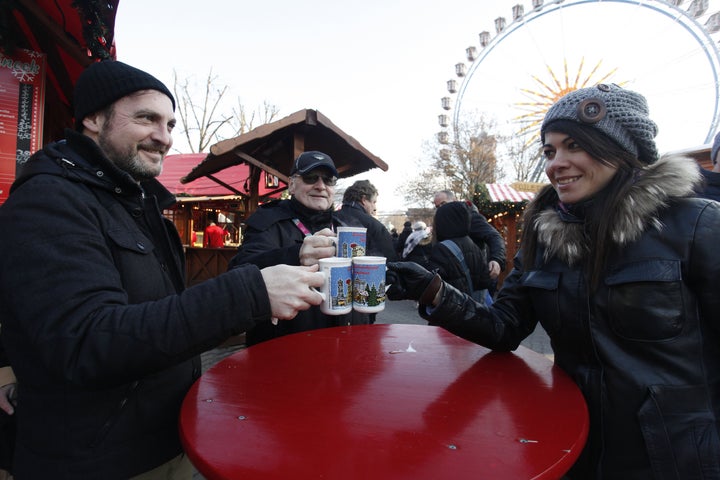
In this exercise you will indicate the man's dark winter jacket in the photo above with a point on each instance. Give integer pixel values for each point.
(101, 333)
(710, 188)
(644, 347)
(487, 238)
(379, 241)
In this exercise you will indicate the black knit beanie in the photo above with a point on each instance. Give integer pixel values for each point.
(103, 83)
(452, 220)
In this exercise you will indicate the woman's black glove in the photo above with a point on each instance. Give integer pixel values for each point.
(408, 280)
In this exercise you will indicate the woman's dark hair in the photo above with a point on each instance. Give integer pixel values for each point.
(598, 214)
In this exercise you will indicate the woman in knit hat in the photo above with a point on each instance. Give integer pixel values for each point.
(619, 264)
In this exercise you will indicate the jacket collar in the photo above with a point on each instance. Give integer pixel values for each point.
(80, 159)
(670, 177)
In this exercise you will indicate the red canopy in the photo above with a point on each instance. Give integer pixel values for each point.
(230, 181)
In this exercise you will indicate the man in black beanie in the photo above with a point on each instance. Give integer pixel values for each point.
(96, 322)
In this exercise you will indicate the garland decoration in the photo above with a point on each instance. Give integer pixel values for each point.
(96, 15)
(96, 18)
(491, 209)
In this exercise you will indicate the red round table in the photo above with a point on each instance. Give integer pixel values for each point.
(382, 402)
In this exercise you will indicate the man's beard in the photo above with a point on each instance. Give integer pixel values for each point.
(128, 159)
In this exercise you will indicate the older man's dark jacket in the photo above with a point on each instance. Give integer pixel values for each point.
(96, 320)
(273, 236)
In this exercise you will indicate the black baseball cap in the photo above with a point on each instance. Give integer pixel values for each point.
(311, 160)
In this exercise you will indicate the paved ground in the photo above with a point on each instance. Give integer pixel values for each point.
(403, 311)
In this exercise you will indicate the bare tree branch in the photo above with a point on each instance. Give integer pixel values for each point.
(202, 118)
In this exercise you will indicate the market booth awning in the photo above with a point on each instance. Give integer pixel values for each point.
(500, 192)
(232, 181)
(274, 146)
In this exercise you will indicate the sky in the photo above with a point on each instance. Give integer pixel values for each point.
(379, 68)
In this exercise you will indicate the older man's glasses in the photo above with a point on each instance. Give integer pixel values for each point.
(312, 178)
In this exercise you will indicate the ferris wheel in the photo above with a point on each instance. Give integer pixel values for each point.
(662, 49)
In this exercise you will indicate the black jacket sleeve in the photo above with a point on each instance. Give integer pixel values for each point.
(501, 326)
(484, 234)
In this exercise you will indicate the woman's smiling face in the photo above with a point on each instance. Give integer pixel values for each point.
(575, 175)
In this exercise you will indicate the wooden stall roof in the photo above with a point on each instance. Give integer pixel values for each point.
(700, 153)
(274, 146)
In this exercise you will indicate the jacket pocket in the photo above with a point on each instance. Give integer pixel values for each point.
(143, 276)
(131, 240)
(645, 300)
(680, 432)
(543, 290)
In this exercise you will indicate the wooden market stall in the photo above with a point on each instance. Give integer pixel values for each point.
(251, 169)
(269, 151)
(504, 211)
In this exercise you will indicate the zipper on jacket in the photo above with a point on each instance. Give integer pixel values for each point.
(102, 433)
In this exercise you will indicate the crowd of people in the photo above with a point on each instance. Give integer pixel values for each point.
(101, 338)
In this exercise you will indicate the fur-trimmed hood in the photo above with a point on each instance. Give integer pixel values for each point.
(670, 177)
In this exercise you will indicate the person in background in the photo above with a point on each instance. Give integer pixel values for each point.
(454, 252)
(295, 231)
(710, 187)
(402, 238)
(482, 233)
(394, 235)
(214, 236)
(619, 264)
(418, 245)
(358, 208)
(97, 324)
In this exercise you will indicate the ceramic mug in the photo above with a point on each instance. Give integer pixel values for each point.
(351, 241)
(368, 284)
(337, 289)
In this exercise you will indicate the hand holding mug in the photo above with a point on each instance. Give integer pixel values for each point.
(319, 245)
(290, 289)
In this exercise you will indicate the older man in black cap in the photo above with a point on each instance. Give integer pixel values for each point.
(296, 231)
(96, 321)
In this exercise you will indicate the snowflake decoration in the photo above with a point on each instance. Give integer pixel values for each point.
(22, 74)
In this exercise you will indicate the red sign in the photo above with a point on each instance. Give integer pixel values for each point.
(22, 108)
